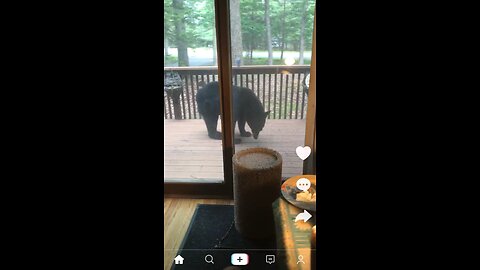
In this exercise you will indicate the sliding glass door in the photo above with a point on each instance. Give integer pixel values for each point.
(213, 49)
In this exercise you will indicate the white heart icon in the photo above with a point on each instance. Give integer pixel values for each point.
(303, 152)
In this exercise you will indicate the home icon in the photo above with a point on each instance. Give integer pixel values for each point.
(179, 259)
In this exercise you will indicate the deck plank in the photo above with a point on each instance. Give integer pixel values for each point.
(190, 153)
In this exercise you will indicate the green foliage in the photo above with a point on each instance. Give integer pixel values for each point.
(253, 24)
(199, 23)
(168, 17)
(170, 60)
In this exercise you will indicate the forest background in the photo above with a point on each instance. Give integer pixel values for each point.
(263, 32)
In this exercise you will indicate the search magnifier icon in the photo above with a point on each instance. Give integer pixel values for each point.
(209, 259)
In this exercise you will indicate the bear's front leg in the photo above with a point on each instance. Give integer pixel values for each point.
(211, 123)
(241, 127)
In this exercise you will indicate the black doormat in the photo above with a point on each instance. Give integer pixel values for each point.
(212, 231)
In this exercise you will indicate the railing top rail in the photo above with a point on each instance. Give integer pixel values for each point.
(243, 69)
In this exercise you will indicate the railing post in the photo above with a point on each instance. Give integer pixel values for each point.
(173, 86)
(174, 94)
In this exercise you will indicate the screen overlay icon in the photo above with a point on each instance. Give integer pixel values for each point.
(239, 259)
(270, 259)
(209, 259)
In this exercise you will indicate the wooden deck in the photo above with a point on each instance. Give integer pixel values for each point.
(191, 154)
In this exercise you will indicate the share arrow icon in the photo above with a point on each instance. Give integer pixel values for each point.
(305, 216)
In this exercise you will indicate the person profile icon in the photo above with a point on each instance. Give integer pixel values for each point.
(300, 259)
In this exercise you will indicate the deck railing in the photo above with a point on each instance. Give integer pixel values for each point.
(279, 88)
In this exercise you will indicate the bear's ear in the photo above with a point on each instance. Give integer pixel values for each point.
(267, 113)
(201, 84)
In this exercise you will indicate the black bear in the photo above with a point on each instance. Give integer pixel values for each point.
(247, 108)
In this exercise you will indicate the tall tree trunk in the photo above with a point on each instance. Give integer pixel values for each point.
(283, 30)
(302, 31)
(179, 18)
(165, 46)
(251, 52)
(252, 39)
(214, 47)
(236, 33)
(269, 32)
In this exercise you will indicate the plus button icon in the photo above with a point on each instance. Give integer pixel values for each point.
(239, 259)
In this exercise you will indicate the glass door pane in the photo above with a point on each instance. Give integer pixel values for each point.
(193, 146)
(271, 43)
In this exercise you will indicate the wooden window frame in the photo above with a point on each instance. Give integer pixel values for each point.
(309, 164)
(208, 189)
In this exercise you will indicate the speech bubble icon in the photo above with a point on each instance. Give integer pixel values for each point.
(270, 259)
(303, 184)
